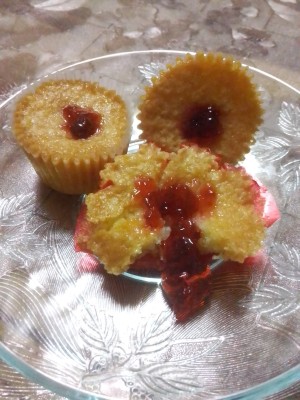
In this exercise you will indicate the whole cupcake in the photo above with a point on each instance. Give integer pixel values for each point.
(69, 129)
(208, 100)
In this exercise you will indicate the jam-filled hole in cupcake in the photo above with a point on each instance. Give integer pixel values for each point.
(175, 205)
(201, 124)
(81, 123)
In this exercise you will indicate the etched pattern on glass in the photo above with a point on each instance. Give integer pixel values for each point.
(115, 337)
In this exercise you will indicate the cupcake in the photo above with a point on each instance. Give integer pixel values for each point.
(175, 206)
(69, 129)
(172, 214)
(204, 99)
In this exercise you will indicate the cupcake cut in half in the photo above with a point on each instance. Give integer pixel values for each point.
(179, 207)
(172, 213)
(207, 99)
(69, 129)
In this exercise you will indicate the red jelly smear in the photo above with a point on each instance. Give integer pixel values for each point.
(173, 202)
(186, 293)
(200, 122)
(81, 229)
(185, 275)
(81, 123)
(144, 193)
(180, 250)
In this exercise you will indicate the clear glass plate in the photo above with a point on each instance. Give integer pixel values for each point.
(88, 335)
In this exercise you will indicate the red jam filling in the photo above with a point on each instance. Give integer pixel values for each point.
(186, 293)
(81, 123)
(200, 124)
(185, 275)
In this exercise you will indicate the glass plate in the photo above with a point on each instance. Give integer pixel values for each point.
(88, 335)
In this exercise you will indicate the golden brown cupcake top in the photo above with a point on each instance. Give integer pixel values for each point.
(42, 121)
(206, 99)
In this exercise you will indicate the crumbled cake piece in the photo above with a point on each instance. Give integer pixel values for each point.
(150, 197)
(118, 233)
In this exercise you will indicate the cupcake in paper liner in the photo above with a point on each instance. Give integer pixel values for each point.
(69, 129)
(208, 100)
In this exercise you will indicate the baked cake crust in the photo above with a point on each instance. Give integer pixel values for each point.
(202, 81)
(66, 164)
